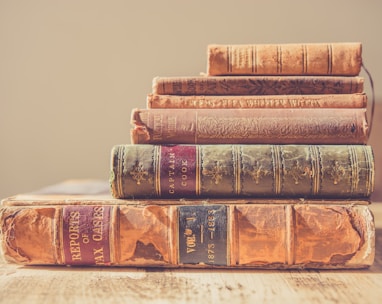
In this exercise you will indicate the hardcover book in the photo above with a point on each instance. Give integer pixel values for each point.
(96, 230)
(358, 100)
(250, 126)
(285, 59)
(183, 171)
(257, 85)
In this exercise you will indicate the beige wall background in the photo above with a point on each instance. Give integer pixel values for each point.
(71, 71)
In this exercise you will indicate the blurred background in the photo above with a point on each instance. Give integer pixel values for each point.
(71, 71)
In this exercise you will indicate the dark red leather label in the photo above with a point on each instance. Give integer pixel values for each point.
(86, 239)
(178, 171)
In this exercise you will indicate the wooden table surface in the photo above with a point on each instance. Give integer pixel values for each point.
(57, 285)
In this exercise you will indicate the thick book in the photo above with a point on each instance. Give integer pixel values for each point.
(184, 171)
(96, 230)
(285, 59)
(358, 100)
(257, 85)
(250, 126)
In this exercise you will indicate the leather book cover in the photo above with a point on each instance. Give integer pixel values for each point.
(285, 59)
(257, 85)
(250, 126)
(358, 100)
(58, 229)
(184, 171)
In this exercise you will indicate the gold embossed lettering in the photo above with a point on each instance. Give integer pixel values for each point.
(184, 170)
(74, 230)
(99, 256)
(97, 223)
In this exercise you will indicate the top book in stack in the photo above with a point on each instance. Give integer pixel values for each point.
(275, 94)
(334, 59)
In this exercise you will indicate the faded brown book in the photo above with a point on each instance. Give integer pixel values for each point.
(358, 100)
(60, 230)
(257, 85)
(285, 59)
(249, 126)
(184, 171)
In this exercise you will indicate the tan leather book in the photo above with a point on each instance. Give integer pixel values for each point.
(97, 230)
(247, 171)
(250, 126)
(285, 59)
(257, 85)
(358, 100)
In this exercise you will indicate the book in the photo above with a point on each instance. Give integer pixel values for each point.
(358, 100)
(184, 171)
(58, 229)
(249, 126)
(257, 85)
(285, 59)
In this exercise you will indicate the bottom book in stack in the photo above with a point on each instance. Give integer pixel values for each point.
(79, 223)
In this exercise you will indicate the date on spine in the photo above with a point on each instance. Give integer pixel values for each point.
(203, 235)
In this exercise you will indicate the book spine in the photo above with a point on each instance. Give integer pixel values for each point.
(256, 101)
(178, 171)
(285, 59)
(229, 236)
(249, 126)
(257, 85)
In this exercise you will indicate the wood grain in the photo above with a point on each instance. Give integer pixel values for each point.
(120, 285)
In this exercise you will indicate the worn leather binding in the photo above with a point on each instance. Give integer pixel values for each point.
(249, 126)
(272, 234)
(358, 100)
(257, 85)
(285, 59)
(176, 171)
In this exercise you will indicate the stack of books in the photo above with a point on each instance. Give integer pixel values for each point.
(261, 163)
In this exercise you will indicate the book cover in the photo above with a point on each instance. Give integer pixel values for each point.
(358, 100)
(285, 59)
(183, 171)
(257, 85)
(249, 126)
(58, 229)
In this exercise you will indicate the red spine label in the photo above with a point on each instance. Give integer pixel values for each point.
(86, 235)
(178, 171)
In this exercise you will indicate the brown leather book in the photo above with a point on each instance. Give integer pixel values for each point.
(96, 230)
(257, 85)
(178, 171)
(250, 126)
(156, 101)
(285, 59)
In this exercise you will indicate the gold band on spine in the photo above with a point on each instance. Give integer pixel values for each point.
(59, 233)
(229, 58)
(354, 168)
(304, 59)
(330, 59)
(229, 234)
(369, 160)
(279, 59)
(252, 60)
(113, 231)
(120, 171)
(289, 235)
(314, 152)
(157, 168)
(237, 167)
(277, 167)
